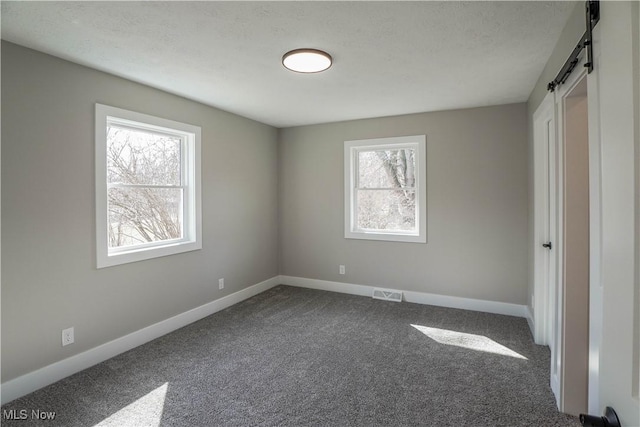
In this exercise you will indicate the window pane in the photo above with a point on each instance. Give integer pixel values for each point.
(144, 215)
(137, 156)
(387, 210)
(387, 168)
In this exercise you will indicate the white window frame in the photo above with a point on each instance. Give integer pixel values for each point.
(191, 184)
(351, 150)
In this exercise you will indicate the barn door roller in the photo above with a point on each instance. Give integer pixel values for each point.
(592, 16)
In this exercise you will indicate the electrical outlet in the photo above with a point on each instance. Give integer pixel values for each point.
(221, 283)
(67, 336)
(342, 269)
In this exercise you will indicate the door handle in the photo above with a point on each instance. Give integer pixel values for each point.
(547, 245)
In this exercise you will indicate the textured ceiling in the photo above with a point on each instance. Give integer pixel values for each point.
(389, 57)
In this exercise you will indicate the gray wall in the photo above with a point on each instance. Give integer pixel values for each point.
(476, 206)
(49, 278)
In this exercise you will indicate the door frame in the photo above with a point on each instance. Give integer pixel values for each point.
(547, 318)
(564, 92)
(596, 320)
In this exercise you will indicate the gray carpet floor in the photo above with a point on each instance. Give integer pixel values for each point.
(300, 357)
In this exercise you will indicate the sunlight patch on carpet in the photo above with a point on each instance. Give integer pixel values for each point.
(146, 411)
(470, 341)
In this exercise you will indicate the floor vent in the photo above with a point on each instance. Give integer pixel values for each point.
(387, 294)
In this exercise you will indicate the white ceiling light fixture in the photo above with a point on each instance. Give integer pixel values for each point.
(307, 60)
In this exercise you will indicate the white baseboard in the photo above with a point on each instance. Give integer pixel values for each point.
(530, 320)
(325, 285)
(412, 296)
(42, 377)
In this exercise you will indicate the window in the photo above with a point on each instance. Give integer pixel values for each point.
(147, 187)
(385, 189)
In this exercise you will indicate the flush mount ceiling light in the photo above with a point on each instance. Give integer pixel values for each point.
(306, 60)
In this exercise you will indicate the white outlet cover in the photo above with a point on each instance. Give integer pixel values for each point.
(68, 336)
(221, 283)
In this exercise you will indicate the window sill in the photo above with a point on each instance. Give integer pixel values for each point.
(141, 254)
(386, 237)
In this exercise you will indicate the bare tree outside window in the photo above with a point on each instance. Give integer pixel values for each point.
(385, 189)
(144, 186)
(386, 193)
